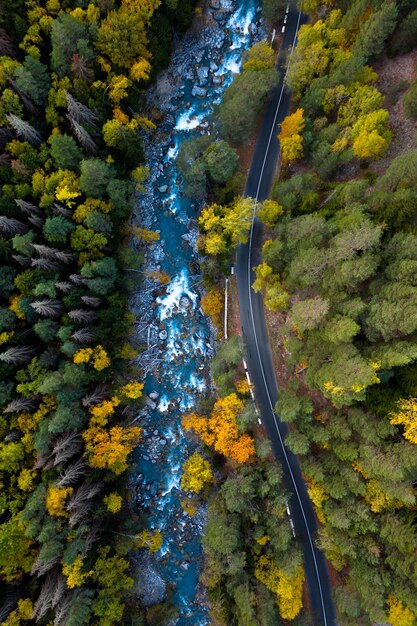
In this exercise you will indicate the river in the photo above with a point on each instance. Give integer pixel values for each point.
(179, 337)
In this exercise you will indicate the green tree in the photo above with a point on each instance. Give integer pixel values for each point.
(65, 152)
(95, 177)
(57, 229)
(375, 31)
(32, 77)
(410, 101)
(221, 160)
(404, 38)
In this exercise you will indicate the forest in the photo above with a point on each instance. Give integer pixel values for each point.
(72, 75)
(339, 277)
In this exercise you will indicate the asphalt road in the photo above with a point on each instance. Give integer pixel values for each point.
(260, 363)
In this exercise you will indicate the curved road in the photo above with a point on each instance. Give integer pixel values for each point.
(260, 363)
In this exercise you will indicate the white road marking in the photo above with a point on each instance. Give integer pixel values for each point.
(283, 29)
(256, 337)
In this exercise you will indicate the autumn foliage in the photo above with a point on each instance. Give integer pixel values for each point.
(406, 416)
(221, 431)
(287, 587)
(291, 138)
(110, 448)
(197, 473)
(212, 304)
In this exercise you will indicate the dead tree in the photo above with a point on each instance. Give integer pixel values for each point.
(24, 261)
(62, 609)
(36, 221)
(93, 535)
(64, 287)
(72, 473)
(19, 405)
(5, 159)
(64, 257)
(86, 492)
(99, 394)
(24, 129)
(10, 226)
(83, 137)
(80, 67)
(17, 355)
(45, 600)
(45, 264)
(47, 308)
(33, 110)
(66, 447)
(27, 207)
(7, 47)
(79, 112)
(91, 300)
(77, 279)
(84, 335)
(60, 210)
(40, 568)
(82, 316)
(60, 588)
(46, 251)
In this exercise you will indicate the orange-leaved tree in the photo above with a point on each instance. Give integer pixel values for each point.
(110, 448)
(221, 431)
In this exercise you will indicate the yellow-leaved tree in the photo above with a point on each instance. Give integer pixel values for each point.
(399, 614)
(406, 416)
(291, 138)
(287, 587)
(197, 473)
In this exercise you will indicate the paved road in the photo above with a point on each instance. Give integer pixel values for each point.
(259, 352)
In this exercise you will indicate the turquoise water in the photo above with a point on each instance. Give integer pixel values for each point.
(170, 320)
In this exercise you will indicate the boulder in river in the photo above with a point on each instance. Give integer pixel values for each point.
(151, 404)
(198, 92)
(185, 302)
(202, 74)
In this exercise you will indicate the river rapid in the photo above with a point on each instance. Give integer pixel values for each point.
(170, 323)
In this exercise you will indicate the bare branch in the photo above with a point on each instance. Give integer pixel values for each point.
(10, 226)
(27, 207)
(82, 315)
(79, 112)
(72, 473)
(24, 129)
(47, 308)
(66, 446)
(91, 300)
(16, 355)
(19, 405)
(60, 210)
(83, 137)
(98, 395)
(84, 335)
